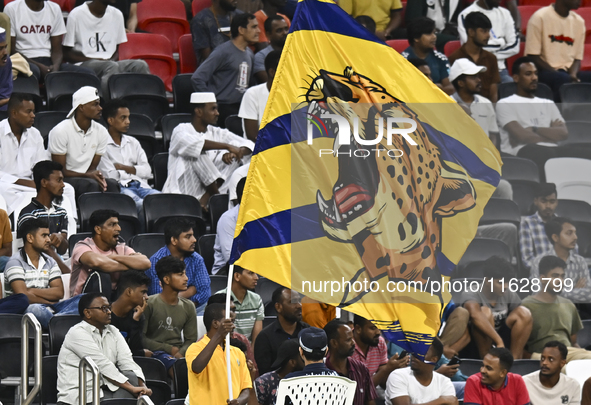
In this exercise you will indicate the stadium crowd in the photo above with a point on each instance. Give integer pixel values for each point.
(76, 187)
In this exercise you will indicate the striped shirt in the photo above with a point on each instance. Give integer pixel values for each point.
(250, 310)
(356, 371)
(55, 215)
(19, 267)
(375, 357)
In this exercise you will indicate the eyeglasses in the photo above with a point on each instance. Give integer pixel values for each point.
(105, 308)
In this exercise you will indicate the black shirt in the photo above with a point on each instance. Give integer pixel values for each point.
(58, 220)
(268, 342)
(313, 369)
(131, 330)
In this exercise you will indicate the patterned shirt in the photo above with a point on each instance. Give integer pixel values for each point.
(266, 388)
(250, 310)
(55, 215)
(375, 357)
(196, 273)
(19, 267)
(532, 239)
(356, 371)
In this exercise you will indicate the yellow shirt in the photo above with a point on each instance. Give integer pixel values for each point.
(211, 385)
(558, 40)
(378, 10)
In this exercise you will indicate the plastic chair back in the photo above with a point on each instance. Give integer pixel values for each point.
(315, 389)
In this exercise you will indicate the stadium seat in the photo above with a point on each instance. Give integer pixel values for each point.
(46, 120)
(516, 168)
(176, 402)
(159, 208)
(218, 283)
(119, 401)
(470, 366)
(169, 123)
(145, 94)
(270, 309)
(584, 335)
(537, 3)
(583, 237)
(500, 210)
(180, 379)
(265, 288)
(574, 210)
(206, 243)
(586, 62)
(580, 370)
(483, 248)
(58, 328)
(161, 392)
(234, 124)
(525, 366)
(10, 345)
(585, 12)
(578, 134)
(509, 89)
(147, 243)
(571, 176)
(187, 59)
(160, 170)
(398, 44)
(527, 8)
(268, 320)
(167, 18)
(28, 85)
(450, 47)
(199, 5)
(123, 204)
(181, 92)
(48, 395)
(153, 368)
(155, 49)
(218, 204)
(576, 101)
(509, 61)
(77, 237)
(141, 128)
(61, 85)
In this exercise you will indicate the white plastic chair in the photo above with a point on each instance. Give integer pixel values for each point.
(317, 390)
(571, 176)
(580, 370)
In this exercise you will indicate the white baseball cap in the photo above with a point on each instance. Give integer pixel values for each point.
(202, 98)
(84, 95)
(464, 67)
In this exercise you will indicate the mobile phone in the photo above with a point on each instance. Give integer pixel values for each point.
(454, 360)
(403, 354)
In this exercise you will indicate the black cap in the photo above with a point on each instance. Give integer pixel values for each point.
(288, 350)
(313, 339)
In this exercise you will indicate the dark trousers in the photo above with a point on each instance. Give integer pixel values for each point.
(225, 111)
(14, 304)
(64, 67)
(85, 185)
(556, 79)
(540, 154)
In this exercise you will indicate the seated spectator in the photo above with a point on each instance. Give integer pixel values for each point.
(555, 42)
(419, 384)
(206, 361)
(270, 9)
(444, 16)
(341, 347)
(129, 10)
(455, 336)
(180, 242)
(422, 38)
(531, 126)
(97, 261)
(387, 15)
(495, 312)
(171, 324)
(288, 325)
(78, 143)
(124, 160)
(422, 65)
(94, 31)
(255, 99)
(367, 22)
(202, 174)
(563, 236)
(495, 384)
(5, 72)
(277, 30)
(250, 310)
(34, 273)
(225, 232)
(228, 69)
(94, 337)
(21, 147)
(313, 348)
(288, 361)
(504, 41)
(478, 28)
(210, 28)
(127, 312)
(36, 32)
(549, 385)
(554, 317)
(5, 239)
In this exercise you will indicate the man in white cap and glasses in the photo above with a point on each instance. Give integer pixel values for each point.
(78, 142)
(5, 72)
(201, 155)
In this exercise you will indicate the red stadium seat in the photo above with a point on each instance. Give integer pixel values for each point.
(403, 22)
(586, 3)
(539, 3)
(199, 5)
(187, 59)
(156, 50)
(586, 62)
(509, 62)
(585, 12)
(450, 47)
(166, 18)
(526, 12)
(65, 5)
(398, 44)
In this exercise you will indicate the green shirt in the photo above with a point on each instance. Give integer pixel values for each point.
(248, 312)
(552, 321)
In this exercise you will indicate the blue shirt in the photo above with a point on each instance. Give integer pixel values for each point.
(196, 273)
(437, 62)
(6, 83)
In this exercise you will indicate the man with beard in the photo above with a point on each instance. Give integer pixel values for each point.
(288, 325)
(180, 242)
(341, 347)
(276, 28)
(5, 72)
(211, 27)
(504, 41)
(549, 385)
(270, 9)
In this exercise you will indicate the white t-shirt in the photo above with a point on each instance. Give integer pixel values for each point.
(482, 111)
(528, 112)
(253, 103)
(402, 382)
(96, 38)
(33, 29)
(566, 392)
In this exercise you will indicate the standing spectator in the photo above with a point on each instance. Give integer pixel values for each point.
(288, 325)
(210, 28)
(556, 42)
(97, 261)
(478, 28)
(387, 15)
(171, 324)
(225, 232)
(36, 31)
(5, 239)
(313, 348)
(495, 384)
(93, 33)
(276, 29)
(270, 9)
(504, 39)
(129, 10)
(5, 72)
(549, 385)
(94, 337)
(125, 160)
(227, 71)
(341, 347)
(180, 242)
(78, 143)
(422, 39)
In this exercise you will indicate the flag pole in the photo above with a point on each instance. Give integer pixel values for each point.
(228, 363)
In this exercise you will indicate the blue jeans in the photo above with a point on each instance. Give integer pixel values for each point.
(201, 309)
(555, 79)
(44, 312)
(138, 194)
(3, 261)
(505, 76)
(14, 304)
(459, 387)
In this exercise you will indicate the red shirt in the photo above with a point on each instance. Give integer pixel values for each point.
(513, 392)
(375, 357)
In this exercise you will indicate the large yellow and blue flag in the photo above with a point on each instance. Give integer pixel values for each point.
(367, 181)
